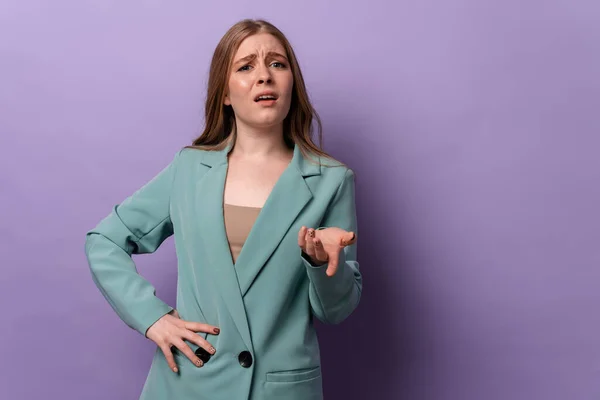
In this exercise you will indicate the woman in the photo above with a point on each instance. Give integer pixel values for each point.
(243, 202)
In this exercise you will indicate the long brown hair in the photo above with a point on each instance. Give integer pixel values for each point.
(219, 128)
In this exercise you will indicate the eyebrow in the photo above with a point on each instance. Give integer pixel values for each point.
(253, 56)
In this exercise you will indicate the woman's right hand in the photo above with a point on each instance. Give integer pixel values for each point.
(170, 330)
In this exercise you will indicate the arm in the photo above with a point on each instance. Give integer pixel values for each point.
(138, 225)
(334, 298)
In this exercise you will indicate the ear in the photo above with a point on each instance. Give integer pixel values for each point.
(227, 102)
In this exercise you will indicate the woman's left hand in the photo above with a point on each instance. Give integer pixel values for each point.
(324, 245)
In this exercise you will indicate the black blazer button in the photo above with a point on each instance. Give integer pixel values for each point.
(202, 354)
(245, 359)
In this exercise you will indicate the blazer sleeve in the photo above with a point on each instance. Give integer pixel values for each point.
(334, 298)
(136, 226)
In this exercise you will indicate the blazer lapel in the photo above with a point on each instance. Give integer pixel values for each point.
(287, 199)
(209, 205)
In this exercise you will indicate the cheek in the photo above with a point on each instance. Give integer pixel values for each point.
(289, 85)
(239, 87)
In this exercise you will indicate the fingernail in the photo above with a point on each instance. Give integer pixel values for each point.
(216, 330)
(317, 242)
(199, 363)
(174, 369)
(212, 350)
(311, 233)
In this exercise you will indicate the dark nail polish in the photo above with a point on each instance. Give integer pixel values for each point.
(212, 350)
(217, 330)
(203, 354)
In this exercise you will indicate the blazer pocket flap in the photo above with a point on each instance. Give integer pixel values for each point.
(296, 375)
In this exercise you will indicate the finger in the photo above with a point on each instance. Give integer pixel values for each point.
(301, 237)
(201, 327)
(332, 267)
(166, 349)
(200, 342)
(348, 239)
(187, 351)
(175, 313)
(309, 248)
(320, 253)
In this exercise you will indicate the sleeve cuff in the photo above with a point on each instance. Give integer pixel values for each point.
(308, 260)
(155, 311)
(333, 285)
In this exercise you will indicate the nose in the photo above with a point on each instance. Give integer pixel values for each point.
(264, 75)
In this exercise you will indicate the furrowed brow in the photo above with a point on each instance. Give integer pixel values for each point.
(276, 55)
(245, 59)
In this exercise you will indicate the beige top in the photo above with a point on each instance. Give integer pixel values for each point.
(238, 223)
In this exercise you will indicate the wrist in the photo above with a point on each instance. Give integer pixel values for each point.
(312, 261)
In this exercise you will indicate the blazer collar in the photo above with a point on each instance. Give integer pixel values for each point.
(304, 165)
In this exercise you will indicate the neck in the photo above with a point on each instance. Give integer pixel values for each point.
(259, 143)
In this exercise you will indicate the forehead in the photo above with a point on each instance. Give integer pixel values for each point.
(260, 44)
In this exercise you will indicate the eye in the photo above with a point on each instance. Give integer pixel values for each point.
(244, 68)
(281, 65)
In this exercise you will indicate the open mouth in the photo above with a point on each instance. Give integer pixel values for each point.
(265, 97)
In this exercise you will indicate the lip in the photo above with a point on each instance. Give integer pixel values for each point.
(266, 93)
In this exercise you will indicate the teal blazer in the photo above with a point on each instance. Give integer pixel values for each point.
(264, 304)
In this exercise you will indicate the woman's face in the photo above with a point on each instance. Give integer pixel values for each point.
(260, 66)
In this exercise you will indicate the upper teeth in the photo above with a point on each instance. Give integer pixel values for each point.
(265, 97)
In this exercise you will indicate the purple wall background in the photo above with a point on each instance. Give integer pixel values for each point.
(472, 125)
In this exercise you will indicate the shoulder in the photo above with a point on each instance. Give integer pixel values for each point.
(335, 171)
(189, 153)
(189, 156)
(186, 161)
(338, 176)
(329, 176)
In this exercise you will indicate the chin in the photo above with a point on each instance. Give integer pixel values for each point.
(268, 122)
